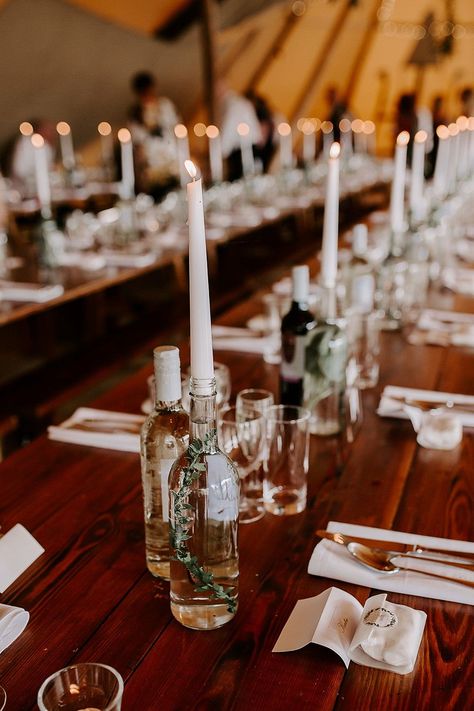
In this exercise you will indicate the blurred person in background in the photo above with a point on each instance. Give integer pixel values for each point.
(438, 118)
(234, 109)
(265, 149)
(337, 110)
(466, 98)
(150, 114)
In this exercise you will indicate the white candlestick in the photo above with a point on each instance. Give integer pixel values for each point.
(418, 172)
(463, 163)
(328, 137)
(215, 154)
(106, 142)
(128, 170)
(246, 150)
(471, 144)
(67, 149)
(331, 220)
(397, 197)
(442, 162)
(309, 143)
(370, 139)
(453, 156)
(286, 146)
(202, 360)
(43, 188)
(182, 151)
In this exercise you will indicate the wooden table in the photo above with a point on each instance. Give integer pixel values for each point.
(91, 598)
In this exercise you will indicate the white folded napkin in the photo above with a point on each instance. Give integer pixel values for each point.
(85, 260)
(100, 428)
(13, 621)
(37, 293)
(332, 560)
(444, 328)
(124, 259)
(392, 408)
(219, 331)
(459, 279)
(252, 344)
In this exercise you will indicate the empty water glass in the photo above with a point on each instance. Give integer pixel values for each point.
(95, 687)
(251, 402)
(363, 333)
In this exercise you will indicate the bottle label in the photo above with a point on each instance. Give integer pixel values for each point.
(165, 467)
(293, 357)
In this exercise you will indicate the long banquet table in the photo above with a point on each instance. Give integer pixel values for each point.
(91, 598)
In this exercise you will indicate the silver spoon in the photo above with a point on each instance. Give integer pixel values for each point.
(381, 561)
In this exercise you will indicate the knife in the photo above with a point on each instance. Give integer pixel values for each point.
(413, 549)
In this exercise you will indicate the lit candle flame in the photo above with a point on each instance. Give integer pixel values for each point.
(335, 150)
(357, 125)
(462, 122)
(470, 123)
(368, 127)
(345, 125)
(191, 168)
(243, 129)
(308, 127)
(63, 128)
(403, 138)
(453, 129)
(37, 140)
(199, 129)
(26, 129)
(326, 127)
(180, 130)
(284, 129)
(212, 131)
(104, 128)
(124, 135)
(421, 136)
(442, 131)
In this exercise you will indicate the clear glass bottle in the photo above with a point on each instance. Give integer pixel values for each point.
(295, 326)
(164, 438)
(204, 512)
(325, 371)
(358, 273)
(391, 281)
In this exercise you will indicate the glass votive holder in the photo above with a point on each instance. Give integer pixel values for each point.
(91, 687)
(363, 333)
(287, 460)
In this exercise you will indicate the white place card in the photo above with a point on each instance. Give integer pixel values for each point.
(380, 634)
(18, 550)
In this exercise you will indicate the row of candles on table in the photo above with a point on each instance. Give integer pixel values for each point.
(357, 135)
(191, 486)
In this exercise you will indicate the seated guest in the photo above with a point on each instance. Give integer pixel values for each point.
(265, 148)
(235, 109)
(151, 114)
(337, 110)
(466, 98)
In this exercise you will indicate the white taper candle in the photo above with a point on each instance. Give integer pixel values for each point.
(331, 220)
(397, 196)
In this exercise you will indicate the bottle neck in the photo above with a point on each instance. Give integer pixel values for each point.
(203, 416)
(168, 405)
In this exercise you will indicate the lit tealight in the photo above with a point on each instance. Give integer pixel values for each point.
(442, 132)
(63, 128)
(180, 130)
(358, 125)
(345, 125)
(335, 150)
(26, 129)
(243, 129)
(124, 135)
(199, 129)
(104, 128)
(368, 127)
(421, 136)
(462, 123)
(212, 131)
(403, 138)
(191, 168)
(37, 140)
(326, 127)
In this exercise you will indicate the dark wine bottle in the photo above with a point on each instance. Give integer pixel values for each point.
(295, 326)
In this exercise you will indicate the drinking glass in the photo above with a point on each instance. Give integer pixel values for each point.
(241, 437)
(255, 402)
(95, 687)
(286, 465)
(363, 332)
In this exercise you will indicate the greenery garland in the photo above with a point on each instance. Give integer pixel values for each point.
(179, 529)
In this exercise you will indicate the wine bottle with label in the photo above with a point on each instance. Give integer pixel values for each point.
(164, 437)
(295, 326)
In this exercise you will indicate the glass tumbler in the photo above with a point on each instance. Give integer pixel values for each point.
(82, 687)
(287, 460)
(251, 402)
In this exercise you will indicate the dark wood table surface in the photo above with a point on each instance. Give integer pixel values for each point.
(91, 598)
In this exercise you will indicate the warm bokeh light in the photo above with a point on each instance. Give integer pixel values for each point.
(326, 127)
(104, 128)
(368, 127)
(63, 128)
(453, 129)
(284, 129)
(308, 127)
(199, 129)
(345, 125)
(212, 131)
(403, 138)
(335, 150)
(470, 123)
(124, 135)
(37, 140)
(26, 129)
(462, 123)
(357, 125)
(243, 129)
(316, 123)
(180, 130)
(191, 168)
(442, 132)
(421, 136)
(300, 123)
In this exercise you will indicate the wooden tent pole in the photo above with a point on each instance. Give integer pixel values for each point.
(363, 52)
(303, 104)
(274, 50)
(209, 56)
